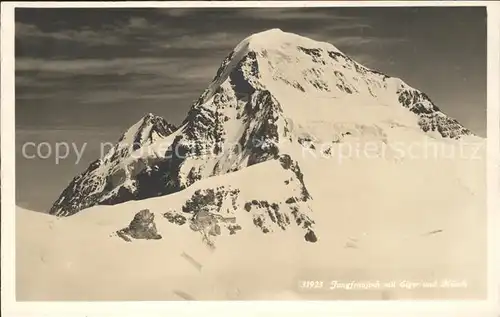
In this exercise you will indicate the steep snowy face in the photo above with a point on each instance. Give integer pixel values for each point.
(295, 69)
(276, 88)
(112, 172)
(274, 94)
(145, 132)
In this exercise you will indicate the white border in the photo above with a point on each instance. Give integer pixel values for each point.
(493, 150)
(218, 308)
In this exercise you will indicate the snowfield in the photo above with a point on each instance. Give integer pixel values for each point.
(384, 221)
(357, 181)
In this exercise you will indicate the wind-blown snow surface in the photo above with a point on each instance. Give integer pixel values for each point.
(308, 202)
(384, 221)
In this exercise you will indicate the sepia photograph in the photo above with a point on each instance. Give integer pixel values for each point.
(251, 154)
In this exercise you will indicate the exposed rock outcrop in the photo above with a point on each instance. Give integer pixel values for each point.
(141, 227)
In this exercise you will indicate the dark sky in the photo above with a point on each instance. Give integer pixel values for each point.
(88, 74)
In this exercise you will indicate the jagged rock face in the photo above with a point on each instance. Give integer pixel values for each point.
(265, 98)
(218, 210)
(108, 180)
(141, 227)
(430, 116)
(146, 131)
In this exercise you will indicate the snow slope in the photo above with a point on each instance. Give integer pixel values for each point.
(313, 166)
(383, 221)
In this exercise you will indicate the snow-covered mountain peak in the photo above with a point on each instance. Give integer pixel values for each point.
(147, 130)
(147, 127)
(273, 95)
(292, 69)
(274, 58)
(275, 38)
(115, 171)
(295, 153)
